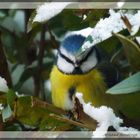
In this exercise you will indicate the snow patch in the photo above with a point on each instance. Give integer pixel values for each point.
(1, 107)
(104, 29)
(105, 118)
(3, 85)
(49, 10)
(84, 32)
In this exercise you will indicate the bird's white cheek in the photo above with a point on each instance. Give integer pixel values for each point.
(64, 66)
(90, 63)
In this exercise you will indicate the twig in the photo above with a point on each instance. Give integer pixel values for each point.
(129, 26)
(127, 23)
(37, 77)
(72, 122)
(39, 103)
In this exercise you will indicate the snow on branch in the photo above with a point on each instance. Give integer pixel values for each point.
(49, 10)
(105, 118)
(3, 85)
(112, 24)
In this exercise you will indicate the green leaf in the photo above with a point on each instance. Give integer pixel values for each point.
(25, 75)
(11, 25)
(8, 41)
(137, 33)
(30, 24)
(37, 116)
(12, 127)
(132, 51)
(2, 14)
(11, 96)
(72, 22)
(56, 25)
(6, 113)
(129, 85)
(95, 15)
(30, 71)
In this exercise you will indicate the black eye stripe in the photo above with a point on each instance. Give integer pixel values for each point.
(79, 62)
(87, 56)
(66, 58)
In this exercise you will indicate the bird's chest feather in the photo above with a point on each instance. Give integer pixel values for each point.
(91, 84)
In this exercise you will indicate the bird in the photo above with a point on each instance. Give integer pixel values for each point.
(84, 73)
(91, 74)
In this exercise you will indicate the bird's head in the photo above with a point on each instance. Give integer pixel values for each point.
(69, 62)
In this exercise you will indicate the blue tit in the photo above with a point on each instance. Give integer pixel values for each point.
(73, 73)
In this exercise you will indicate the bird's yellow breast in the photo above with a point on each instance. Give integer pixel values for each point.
(91, 84)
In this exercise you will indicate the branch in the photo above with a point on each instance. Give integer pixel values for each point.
(127, 23)
(129, 26)
(66, 120)
(39, 103)
(83, 119)
(37, 78)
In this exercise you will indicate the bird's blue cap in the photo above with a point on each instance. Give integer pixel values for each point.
(73, 43)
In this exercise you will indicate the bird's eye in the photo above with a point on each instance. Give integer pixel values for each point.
(66, 58)
(85, 56)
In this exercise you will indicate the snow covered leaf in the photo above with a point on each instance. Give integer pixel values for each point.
(129, 85)
(44, 13)
(103, 30)
(6, 113)
(132, 51)
(113, 24)
(3, 85)
(49, 10)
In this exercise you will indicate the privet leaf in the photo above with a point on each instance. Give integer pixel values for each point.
(129, 85)
(6, 113)
(132, 51)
